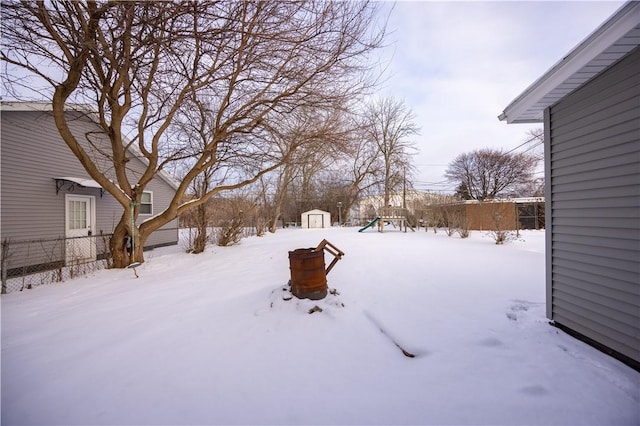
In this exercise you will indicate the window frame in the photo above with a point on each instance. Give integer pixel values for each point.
(150, 203)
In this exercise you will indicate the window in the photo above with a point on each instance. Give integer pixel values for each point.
(77, 214)
(146, 203)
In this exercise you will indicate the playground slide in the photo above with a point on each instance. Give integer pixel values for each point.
(370, 224)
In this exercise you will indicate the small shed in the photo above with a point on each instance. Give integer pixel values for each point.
(316, 219)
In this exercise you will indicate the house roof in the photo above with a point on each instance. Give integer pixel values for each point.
(47, 106)
(39, 106)
(616, 37)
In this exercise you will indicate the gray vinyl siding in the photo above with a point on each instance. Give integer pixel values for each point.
(32, 154)
(593, 181)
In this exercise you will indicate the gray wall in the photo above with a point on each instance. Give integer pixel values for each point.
(593, 181)
(32, 154)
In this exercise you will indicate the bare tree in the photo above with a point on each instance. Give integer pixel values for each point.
(283, 178)
(317, 133)
(141, 65)
(487, 173)
(389, 124)
(359, 169)
(192, 128)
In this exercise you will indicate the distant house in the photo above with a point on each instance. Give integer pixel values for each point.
(589, 103)
(413, 201)
(316, 219)
(47, 196)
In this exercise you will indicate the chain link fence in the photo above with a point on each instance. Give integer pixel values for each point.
(531, 215)
(25, 264)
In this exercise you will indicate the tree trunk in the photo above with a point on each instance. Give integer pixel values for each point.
(281, 194)
(120, 244)
(274, 222)
(200, 242)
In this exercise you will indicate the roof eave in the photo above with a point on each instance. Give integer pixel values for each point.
(616, 27)
(41, 106)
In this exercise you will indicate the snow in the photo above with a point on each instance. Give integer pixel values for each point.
(209, 339)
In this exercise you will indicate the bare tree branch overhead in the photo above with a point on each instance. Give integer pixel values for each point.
(231, 71)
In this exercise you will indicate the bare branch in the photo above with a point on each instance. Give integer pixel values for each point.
(487, 173)
(142, 66)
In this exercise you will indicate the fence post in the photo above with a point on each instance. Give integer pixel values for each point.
(3, 264)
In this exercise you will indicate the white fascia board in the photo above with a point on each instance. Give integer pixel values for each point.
(616, 27)
(40, 106)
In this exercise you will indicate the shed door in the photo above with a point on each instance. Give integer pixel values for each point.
(316, 221)
(79, 217)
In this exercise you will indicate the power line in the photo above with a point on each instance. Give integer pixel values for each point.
(532, 147)
(533, 137)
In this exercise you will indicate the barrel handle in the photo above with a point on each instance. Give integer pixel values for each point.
(335, 251)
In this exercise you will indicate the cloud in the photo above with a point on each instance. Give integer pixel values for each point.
(459, 64)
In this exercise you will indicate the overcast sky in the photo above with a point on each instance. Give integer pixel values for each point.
(457, 65)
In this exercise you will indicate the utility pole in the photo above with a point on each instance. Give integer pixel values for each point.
(404, 199)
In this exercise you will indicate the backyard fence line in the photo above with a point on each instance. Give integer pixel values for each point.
(25, 264)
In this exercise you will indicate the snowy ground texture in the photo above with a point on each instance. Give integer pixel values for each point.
(208, 339)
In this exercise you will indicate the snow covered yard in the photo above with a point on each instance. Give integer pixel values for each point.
(208, 339)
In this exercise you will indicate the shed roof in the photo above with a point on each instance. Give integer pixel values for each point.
(315, 211)
(616, 37)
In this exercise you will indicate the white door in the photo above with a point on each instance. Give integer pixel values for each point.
(80, 219)
(316, 221)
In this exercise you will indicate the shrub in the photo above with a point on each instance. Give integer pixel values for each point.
(230, 231)
(501, 236)
(500, 233)
(261, 225)
(463, 231)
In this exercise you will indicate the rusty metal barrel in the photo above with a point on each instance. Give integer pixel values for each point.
(308, 276)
